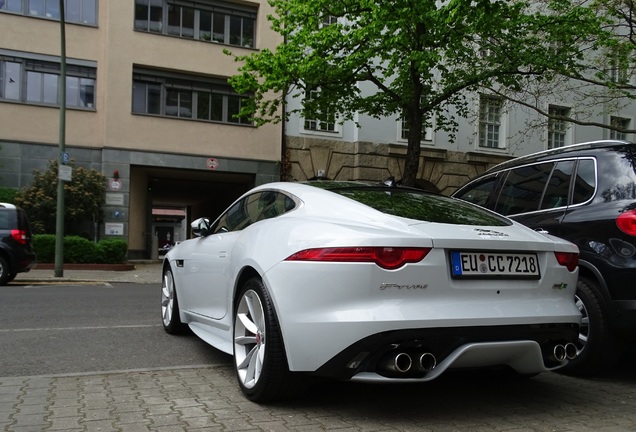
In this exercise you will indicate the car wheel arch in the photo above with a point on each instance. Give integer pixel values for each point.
(244, 275)
(591, 272)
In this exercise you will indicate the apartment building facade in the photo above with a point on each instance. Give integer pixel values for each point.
(148, 106)
(497, 130)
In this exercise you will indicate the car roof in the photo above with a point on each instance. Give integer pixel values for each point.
(7, 205)
(559, 152)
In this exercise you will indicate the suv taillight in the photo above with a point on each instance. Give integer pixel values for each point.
(19, 236)
(627, 222)
(568, 260)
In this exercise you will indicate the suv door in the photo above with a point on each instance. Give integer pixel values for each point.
(543, 203)
(482, 192)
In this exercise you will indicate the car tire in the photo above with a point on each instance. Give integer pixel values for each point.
(170, 305)
(11, 277)
(598, 347)
(260, 362)
(4, 271)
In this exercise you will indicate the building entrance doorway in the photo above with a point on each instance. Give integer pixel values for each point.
(164, 201)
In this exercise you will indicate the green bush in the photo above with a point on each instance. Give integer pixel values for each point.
(80, 250)
(7, 195)
(44, 245)
(113, 251)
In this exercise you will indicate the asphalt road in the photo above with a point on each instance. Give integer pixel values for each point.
(57, 329)
(96, 358)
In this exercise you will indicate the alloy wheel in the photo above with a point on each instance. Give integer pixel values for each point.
(249, 339)
(584, 329)
(167, 298)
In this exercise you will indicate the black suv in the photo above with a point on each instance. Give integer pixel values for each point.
(16, 246)
(584, 193)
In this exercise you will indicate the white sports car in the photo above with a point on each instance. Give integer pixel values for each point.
(369, 282)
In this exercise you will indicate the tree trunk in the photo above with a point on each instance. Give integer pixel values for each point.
(413, 151)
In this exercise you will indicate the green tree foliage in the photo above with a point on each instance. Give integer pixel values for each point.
(84, 199)
(603, 85)
(7, 194)
(414, 58)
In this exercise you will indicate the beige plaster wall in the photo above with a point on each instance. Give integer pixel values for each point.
(115, 46)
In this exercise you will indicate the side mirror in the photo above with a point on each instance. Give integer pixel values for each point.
(201, 227)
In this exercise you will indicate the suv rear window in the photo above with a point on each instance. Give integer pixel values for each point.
(8, 219)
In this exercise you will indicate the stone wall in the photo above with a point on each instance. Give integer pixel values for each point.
(440, 169)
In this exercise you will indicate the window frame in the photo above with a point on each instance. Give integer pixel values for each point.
(491, 130)
(230, 14)
(314, 126)
(558, 127)
(402, 132)
(44, 68)
(169, 83)
(619, 122)
(77, 11)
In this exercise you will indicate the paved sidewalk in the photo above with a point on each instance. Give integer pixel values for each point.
(144, 272)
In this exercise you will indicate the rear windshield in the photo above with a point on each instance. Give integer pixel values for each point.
(8, 219)
(422, 206)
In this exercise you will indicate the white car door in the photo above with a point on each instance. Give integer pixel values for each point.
(207, 267)
(207, 287)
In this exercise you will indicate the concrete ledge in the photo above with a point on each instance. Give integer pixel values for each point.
(75, 266)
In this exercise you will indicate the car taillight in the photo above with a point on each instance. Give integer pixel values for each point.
(19, 236)
(626, 222)
(568, 259)
(389, 258)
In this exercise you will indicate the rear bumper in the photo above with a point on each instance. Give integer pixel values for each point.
(527, 349)
(330, 314)
(23, 263)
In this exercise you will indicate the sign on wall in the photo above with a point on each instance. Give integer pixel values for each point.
(114, 228)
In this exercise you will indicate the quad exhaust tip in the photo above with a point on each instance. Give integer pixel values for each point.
(404, 362)
(563, 352)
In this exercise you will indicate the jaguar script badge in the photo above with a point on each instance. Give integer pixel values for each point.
(490, 233)
(400, 287)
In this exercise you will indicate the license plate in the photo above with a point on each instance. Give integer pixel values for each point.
(490, 264)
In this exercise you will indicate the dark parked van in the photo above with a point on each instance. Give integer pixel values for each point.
(584, 193)
(16, 245)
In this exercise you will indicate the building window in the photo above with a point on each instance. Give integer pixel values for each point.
(327, 20)
(557, 126)
(620, 125)
(207, 20)
(182, 96)
(323, 122)
(10, 78)
(619, 68)
(490, 130)
(36, 82)
(77, 11)
(427, 131)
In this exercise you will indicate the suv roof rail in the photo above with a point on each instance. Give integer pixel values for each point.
(564, 149)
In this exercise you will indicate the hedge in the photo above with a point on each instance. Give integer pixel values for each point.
(80, 250)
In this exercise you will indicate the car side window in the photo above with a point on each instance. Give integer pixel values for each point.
(252, 208)
(479, 192)
(585, 181)
(558, 187)
(523, 189)
(272, 204)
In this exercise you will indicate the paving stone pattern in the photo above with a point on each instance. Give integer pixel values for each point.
(208, 399)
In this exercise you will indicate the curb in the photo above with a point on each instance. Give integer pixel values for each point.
(75, 266)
